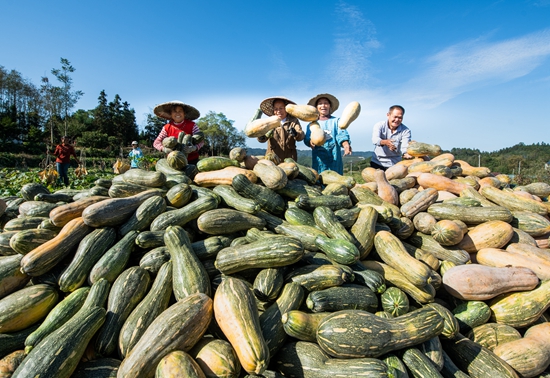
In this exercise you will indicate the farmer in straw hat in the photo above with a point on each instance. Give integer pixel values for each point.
(181, 117)
(329, 155)
(282, 140)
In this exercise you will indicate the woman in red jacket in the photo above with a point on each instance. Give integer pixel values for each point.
(63, 153)
(180, 118)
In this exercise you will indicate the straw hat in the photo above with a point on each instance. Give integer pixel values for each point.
(267, 105)
(334, 103)
(163, 110)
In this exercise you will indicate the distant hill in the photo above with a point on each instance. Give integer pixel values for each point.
(530, 161)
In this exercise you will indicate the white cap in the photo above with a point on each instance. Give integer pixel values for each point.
(134, 142)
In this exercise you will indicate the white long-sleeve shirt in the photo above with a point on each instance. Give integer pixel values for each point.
(401, 138)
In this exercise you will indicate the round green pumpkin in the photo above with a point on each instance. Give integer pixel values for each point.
(177, 160)
(179, 195)
(395, 301)
(447, 232)
(29, 191)
(170, 142)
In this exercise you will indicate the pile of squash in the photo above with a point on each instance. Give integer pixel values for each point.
(252, 266)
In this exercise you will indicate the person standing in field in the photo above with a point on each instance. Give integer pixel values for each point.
(282, 140)
(329, 155)
(391, 139)
(63, 153)
(135, 155)
(181, 117)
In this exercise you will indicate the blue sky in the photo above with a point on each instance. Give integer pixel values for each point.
(471, 74)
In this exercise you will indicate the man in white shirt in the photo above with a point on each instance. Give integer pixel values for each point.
(391, 139)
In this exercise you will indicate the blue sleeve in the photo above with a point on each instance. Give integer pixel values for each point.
(307, 138)
(342, 136)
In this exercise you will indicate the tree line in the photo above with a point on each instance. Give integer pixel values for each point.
(33, 118)
(526, 162)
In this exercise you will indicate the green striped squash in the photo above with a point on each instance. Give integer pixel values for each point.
(237, 316)
(90, 249)
(179, 327)
(27, 306)
(291, 298)
(395, 301)
(384, 335)
(58, 316)
(60, 352)
(189, 275)
(114, 260)
(151, 306)
(127, 291)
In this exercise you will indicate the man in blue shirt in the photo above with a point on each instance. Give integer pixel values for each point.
(391, 139)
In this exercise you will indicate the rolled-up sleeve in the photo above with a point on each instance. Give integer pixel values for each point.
(158, 142)
(342, 137)
(195, 131)
(376, 132)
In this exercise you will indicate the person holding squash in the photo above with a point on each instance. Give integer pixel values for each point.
(327, 155)
(181, 117)
(63, 153)
(282, 140)
(391, 139)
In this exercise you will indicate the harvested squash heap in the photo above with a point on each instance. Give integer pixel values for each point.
(254, 266)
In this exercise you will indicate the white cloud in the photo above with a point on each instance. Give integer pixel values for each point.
(355, 39)
(474, 64)
(280, 72)
(457, 69)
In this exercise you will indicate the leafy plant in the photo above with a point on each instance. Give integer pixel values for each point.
(11, 180)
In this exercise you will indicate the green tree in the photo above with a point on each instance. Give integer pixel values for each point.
(33, 135)
(130, 128)
(50, 99)
(115, 117)
(153, 126)
(101, 119)
(219, 134)
(123, 122)
(94, 139)
(19, 107)
(67, 97)
(525, 162)
(81, 121)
